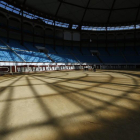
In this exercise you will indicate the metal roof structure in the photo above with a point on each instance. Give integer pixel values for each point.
(85, 12)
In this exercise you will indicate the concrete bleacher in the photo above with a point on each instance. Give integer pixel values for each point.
(2, 45)
(61, 54)
(63, 58)
(76, 51)
(114, 51)
(113, 56)
(33, 56)
(50, 49)
(102, 51)
(112, 59)
(8, 55)
(87, 59)
(138, 49)
(30, 46)
(133, 59)
(64, 54)
(19, 53)
(14, 44)
(128, 51)
(62, 50)
(86, 51)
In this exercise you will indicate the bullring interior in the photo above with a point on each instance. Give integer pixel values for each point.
(48, 51)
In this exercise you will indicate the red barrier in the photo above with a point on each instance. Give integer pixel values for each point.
(4, 69)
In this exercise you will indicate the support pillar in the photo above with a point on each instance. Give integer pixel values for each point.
(106, 38)
(63, 39)
(44, 37)
(72, 39)
(22, 33)
(33, 37)
(135, 39)
(124, 41)
(97, 41)
(11, 69)
(54, 36)
(8, 29)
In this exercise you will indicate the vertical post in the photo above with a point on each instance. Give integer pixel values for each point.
(33, 31)
(80, 38)
(97, 41)
(115, 41)
(10, 69)
(33, 36)
(89, 40)
(124, 41)
(22, 40)
(54, 35)
(106, 37)
(63, 39)
(135, 39)
(8, 29)
(48, 66)
(44, 37)
(27, 68)
(72, 39)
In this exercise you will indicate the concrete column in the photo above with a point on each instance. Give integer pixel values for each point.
(10, 69)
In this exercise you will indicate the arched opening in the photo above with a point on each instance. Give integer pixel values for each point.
(14, 23)
(27, 27)
(15, 28)
(38, 30)
(3, 25)
(3, 21)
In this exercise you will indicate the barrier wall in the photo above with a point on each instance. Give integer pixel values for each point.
(14, 67)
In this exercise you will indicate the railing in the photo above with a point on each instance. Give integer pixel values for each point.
(12, 50)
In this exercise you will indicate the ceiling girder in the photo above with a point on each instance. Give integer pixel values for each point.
(137, 15)
(111, 11)
(104, 9)
(85, 11)
(58, 8)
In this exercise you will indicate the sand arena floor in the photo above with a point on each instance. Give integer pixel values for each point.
(70, 105)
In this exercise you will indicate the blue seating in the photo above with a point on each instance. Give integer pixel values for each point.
(133, 59)
(128, 51)
(30, 46)
(65, 54)
(33, 56)
(76, 50)
(62, 50)
(87, 59)
(112, 59)
(63, 58)
(138, 49)
(50, 49)
(102, 51)
(2, 45)
(8, 55)
(86, 51)
(14, 44)
(114, 51)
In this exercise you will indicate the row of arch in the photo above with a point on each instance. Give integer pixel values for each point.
(65, 34)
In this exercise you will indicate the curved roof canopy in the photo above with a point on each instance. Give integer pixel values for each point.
(85, 12)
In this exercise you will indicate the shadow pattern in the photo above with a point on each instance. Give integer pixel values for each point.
(108, 109)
